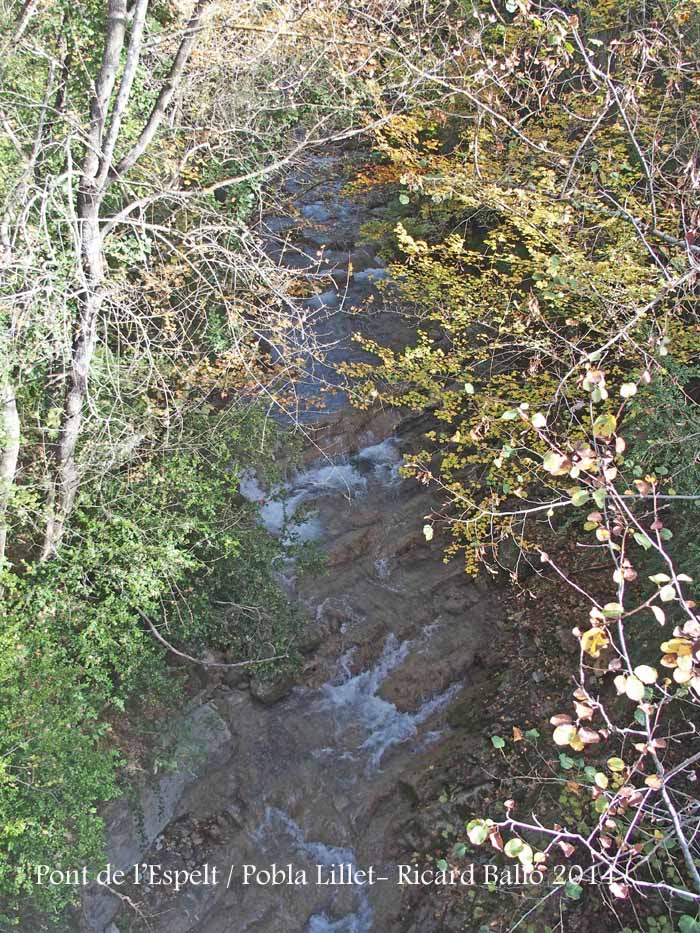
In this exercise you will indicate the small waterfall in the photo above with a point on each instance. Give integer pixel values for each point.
(279, 824)
(354, 701)
(385, 459)
(279, 505)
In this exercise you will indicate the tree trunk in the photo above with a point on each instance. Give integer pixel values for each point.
(67, 479)
(91, 273)
(97, 175)
(10, 455)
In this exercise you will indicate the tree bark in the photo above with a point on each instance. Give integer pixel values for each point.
(91, 268)
(10, 456)
(67, 478)
(166, 94)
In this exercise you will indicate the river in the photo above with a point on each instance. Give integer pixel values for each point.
(311, 781)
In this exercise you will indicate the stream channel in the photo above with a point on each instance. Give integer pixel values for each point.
(316, 775)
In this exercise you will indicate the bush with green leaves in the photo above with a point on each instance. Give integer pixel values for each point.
(168, 538)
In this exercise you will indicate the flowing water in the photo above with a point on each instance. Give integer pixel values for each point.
(318, 779)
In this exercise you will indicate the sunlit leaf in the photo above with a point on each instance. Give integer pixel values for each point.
(634, 688)
(646, 674)
(605, 426)
(616, 765)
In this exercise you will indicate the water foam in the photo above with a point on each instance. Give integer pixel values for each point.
(279, 824)
(354, 700)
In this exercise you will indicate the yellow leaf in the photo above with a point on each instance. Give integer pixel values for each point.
(594, 640)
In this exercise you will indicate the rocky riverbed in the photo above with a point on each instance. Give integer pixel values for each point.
(318, 772)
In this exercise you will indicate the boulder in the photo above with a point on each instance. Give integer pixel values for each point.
(351, 546)
(269, 691)
(236, 677)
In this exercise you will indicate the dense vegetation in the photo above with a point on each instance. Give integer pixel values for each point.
(546, 169)
(548, 248)
(135, 310)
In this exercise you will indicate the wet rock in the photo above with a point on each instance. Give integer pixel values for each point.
(352, 546)
(409, 787)
(371, 275)
(336, 614)
(312, 637)
(361, 518)
(371, 634)
(445, 660)
(281, 224)
(203, 741)
(317, 212)
(457, 599)
(271, 691)
(411, 547)
(327, 299)
(362, 259)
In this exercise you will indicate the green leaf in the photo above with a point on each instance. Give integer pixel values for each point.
(404, 199)
(477, 831)
(497, 741)
(566, 762)
(605, 426)
(580, 497)
(514, 847)
(556, 464)
(573, 890)
(612, 610)
(616, 765)
(525, 854)
(442, 865)
(599, 497)
(510, 415)
(642, 540)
